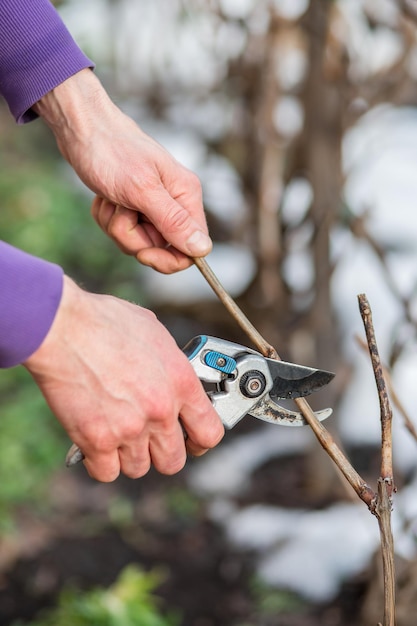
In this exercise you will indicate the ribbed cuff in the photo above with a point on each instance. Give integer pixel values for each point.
(30, 293)
(37, 53)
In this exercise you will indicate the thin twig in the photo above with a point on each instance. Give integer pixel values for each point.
(254, 335)
(383, 514)
(385, 407)
(379, 505)
(386, 486)
(362, 489)
(409, 8)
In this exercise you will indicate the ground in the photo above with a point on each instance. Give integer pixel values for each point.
(95, 530)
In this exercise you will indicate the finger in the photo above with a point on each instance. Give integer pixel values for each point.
(142, 238)
(194, 450)
(165, 260)
(200, 421)
(130, 236)
(177, 226)
(102, 211)
(104, 467)
(135, 460)
(167, 449)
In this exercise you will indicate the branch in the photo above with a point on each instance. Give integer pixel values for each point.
(409, 8)
(385, 407)
(386, 486)
(379, 505)
(254, 335)
(326, 440)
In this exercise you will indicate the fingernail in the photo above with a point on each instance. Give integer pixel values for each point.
(199, 244)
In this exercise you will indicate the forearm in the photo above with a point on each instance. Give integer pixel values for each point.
(30, 292)
(74, 108)
(37, 53)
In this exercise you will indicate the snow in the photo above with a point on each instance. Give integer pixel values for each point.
(371, 50)
(288, 116)
(296, 201)
(313, 552)
(233, 264)
(237, 9)
(381, 158)
(331, 545)
(227, 469)
(290, 9)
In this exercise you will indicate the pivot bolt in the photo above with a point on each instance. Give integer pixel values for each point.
(252, 384)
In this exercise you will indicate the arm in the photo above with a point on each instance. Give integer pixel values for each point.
(110, 372)
(30, 292)
(37, 53)
(146, 201)
(43, 72)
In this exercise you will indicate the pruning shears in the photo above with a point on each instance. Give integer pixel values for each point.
(240, 381)
(247, 383)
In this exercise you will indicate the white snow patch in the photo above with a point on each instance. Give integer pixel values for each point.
(310, 553)
(226, 470)
(233, 264)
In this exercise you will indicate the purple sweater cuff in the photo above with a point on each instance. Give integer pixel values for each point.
(37, 53)
(30, 293)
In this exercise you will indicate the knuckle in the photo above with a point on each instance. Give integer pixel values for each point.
(176, 219)
(160, 410)
(132, 430)
(194, 185)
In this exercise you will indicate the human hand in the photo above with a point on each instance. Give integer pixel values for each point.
(147, 201)
(116, 380)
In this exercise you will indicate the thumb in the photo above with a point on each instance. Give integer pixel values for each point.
(179, 228)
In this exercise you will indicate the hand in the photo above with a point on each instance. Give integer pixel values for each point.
(136, 179)
(116, 380)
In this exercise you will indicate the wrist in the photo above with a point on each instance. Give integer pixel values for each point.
(58, 334)
(71, 108)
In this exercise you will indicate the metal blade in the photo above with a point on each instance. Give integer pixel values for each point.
(295, 381)
(269, 411)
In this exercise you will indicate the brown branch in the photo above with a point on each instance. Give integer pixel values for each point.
(386, 481)
(362, 489)
(409, 8)
(379, 505)
(383, 514)
(385, 407)
(254, 335)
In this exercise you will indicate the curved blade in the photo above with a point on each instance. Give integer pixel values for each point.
(269, 411)
(295, 381)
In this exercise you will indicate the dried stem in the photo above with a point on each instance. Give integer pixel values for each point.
(362, 489)
(263, 346)
(386, 486)
(379, 505)
(384, 404)
(383, 513)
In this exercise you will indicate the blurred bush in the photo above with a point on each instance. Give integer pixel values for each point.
(130, 601)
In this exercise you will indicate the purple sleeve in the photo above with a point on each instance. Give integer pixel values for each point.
(37, 53)
(30, 292)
